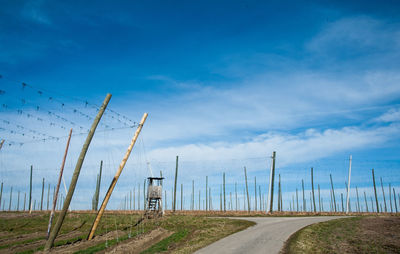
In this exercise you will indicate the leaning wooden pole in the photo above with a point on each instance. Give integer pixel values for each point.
(58, 185)
(376, 195)
(384, 198)
(115, 179)
(1, 143)
(333, 193)
(75, 175)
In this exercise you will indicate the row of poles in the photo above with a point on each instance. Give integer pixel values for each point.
(297, 203)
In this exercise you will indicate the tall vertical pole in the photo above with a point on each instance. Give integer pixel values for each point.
(41, 199)
(18, 202)
(207, 207)
(297, 200)
(176, 176)
(30, 191)
(390, 198)
(247, 190)
(394, 196)
(384, 198)
(259, 193)
(199, 201)
(24, 200)
(319, 199)
(97, 193)
(312, 188)
(271, 183)
(144, 195)
(75, 176)
(341, 197)
(9, 207)
(181, 196)
(333, 193)
(279, 193)
(1, 193)
(224, 193)
(304, 198)
(55, 195)
(376, 195)
(348, 187)
(48, 197)
(236, 197)
(358, 201)
(255, 193)
(193, 196)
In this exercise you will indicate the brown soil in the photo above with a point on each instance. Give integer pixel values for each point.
(383, 232)
(84, 244)
(37, 244)
(140, 243)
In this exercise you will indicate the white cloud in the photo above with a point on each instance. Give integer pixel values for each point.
(33, 11)
(393, 115)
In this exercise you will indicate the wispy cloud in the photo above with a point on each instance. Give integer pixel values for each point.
(33, 11)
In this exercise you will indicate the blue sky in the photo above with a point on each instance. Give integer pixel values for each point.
(225, 83)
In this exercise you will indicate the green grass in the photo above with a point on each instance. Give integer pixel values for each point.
(163, 244)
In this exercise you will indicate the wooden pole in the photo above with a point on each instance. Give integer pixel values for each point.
(144, 196)
(394, 196)
(297, 199)
(376, 195)
(48, 197)
(390, 198)
(192, 204)
(9, 207)
(176, 177)
(366, 204)
(312, 188)
(1, 193)
(259, 193)
(236, 197)
(224, 192)
(30, 191)
(41, 199)
(18, 202)
(24, 200)
(207, 207)
(348, 187)
(341, 197)
(358, 201)
(304, 199)
(383, 193)
(255, 193)
(58, 184)
(319, 199)
(247, 190)
(279, 193)
(271, 183)
(333, 193)
(97, 193)
(75, 176)
(116, 177)
(1, 143)
(181, 196)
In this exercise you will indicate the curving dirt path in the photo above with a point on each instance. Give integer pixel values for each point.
(267, 236)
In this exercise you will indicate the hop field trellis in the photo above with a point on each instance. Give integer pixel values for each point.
(33, 119)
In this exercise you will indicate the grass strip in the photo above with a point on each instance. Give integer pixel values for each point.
(163, 244)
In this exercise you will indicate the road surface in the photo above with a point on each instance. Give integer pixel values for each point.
(267, 236)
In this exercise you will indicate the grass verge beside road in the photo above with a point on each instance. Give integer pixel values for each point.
(372, 234)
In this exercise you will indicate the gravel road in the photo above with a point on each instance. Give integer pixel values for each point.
(268, 236)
